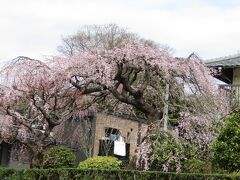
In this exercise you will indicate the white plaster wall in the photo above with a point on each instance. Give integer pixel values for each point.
(236, 76)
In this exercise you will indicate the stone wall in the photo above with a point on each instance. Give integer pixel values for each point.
(128, 129)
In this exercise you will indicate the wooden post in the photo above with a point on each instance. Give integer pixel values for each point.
(165, 110)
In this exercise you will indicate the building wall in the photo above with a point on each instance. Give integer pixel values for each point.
(124, 125)
(103, 121)
(236, 76)
(5, 149)
(235, 89)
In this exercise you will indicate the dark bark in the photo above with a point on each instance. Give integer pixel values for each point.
(36, 155)
(125, 76)
(36, 160)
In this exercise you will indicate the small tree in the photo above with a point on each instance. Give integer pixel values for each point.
(227, 147)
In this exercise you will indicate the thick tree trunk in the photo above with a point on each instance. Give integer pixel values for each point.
(36, 157)
(36, 161)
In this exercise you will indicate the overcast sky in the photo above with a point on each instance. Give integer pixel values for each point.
(34, 27)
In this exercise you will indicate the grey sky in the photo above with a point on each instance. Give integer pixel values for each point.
(34, 27)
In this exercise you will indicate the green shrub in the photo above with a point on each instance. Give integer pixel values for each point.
(227, 147)
(166, 152)
(197, 166)
(101, 162)
(58, 157)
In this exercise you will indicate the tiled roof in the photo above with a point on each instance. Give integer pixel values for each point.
(227, 61)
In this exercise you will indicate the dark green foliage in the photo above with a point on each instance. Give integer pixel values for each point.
(68, 174)
(171, 153)
(166, 151)
(227, 147)
(58, 157)
(197, 166)
(101, 162)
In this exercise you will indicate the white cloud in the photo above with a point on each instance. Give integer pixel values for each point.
(34, 28)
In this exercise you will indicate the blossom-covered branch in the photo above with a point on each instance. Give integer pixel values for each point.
(35, 98)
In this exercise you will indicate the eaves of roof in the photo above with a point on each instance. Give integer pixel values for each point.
(227, 61)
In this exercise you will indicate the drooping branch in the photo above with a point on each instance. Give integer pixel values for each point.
(38, 98)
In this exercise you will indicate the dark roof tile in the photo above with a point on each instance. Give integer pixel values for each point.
(227, 61)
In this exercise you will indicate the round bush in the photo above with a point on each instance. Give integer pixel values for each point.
(227, 147)
(100, 162)
(58, 157)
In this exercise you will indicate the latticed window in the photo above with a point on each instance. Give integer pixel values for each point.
(112, 133)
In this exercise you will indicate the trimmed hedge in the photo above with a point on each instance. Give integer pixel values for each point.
(55, 174)
(197, 166)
